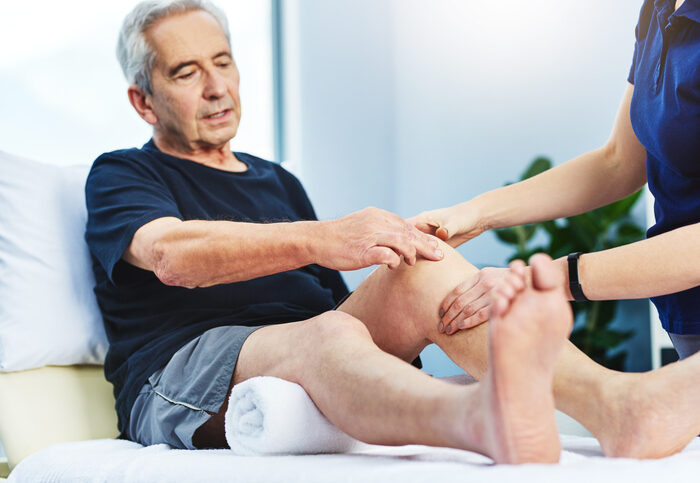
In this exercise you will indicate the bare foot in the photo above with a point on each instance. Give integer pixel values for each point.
(529, 325)
(651, 415)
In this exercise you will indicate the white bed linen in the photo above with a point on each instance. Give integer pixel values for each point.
(118, 460)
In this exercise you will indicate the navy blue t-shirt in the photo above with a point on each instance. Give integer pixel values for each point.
(147, 321)
(665, 116)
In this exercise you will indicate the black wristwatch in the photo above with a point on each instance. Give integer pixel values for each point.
(574, 284)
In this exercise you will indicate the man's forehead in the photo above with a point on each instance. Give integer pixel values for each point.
(194, 34)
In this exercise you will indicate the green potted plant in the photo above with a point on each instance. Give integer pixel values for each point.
(606, 227)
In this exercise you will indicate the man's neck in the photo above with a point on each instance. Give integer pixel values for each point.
(219, 157)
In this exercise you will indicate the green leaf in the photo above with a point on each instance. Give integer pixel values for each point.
(525, 232)
(616, 362)
(585, 229)
(525, 255)
(539, 165)
(619, 209)
(609, 338)
(630, 231)
(507, 235)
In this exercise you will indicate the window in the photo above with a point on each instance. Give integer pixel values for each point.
(63, 93)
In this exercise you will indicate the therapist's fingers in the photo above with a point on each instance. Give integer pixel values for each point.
(467, 314)
(499, 306)
(512, 283)
(435, 222)
(467, 305)
(457, 300)
(481, 308)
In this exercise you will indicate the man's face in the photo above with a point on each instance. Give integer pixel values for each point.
(194, 82)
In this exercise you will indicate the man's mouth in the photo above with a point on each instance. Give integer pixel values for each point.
(217, 115)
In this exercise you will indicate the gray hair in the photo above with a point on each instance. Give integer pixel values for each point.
(134, 53)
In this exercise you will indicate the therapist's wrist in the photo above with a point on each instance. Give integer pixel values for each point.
(562, 265)
(490, 211)
(477, 212)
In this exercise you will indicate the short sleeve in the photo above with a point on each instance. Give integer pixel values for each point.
(297, 194)
(640, 33)
(630, 76)
(121, 196)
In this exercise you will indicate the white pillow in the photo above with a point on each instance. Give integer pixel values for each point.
(48, 312)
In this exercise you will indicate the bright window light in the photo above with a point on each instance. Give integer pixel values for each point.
(63, 96)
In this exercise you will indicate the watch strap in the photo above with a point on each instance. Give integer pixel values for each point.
(574, 284)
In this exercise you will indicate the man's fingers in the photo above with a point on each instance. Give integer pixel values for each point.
(401, 243)
(429, 249)
(410, 244)
(379, 228)
(426, 245)
(383, 256)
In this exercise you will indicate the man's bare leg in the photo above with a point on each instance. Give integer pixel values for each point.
(378, 398)
(633, 415)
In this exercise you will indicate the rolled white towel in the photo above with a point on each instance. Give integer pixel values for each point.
(268, 416)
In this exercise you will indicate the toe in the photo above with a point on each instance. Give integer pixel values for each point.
(545, 275)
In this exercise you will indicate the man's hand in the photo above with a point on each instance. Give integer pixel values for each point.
(373, 237)
(455, 225)
(468, 305)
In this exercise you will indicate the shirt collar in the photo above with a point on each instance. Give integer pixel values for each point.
(150, 145)
(690, 9)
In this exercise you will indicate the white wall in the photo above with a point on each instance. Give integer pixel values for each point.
(415, 104)
(484, 87)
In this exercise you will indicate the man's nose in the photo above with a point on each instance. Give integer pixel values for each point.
(215, 86)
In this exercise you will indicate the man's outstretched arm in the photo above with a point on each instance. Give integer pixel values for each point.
(204, 253)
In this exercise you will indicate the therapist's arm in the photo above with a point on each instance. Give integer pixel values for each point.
(586, 182)
(199, 253)
(664, 264)
(660, 265)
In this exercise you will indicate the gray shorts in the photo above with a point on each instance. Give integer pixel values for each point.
(685, 345)
(175, 400)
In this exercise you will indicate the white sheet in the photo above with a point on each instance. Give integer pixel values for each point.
(117, 461)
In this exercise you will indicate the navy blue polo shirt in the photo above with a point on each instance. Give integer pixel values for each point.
(665, 116)
(146, 321)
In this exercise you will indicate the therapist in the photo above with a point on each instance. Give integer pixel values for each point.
(656, 140)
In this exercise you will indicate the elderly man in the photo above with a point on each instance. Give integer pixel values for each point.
(211, 269)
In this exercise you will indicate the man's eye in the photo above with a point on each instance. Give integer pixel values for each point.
(224, 64)
(186, 75)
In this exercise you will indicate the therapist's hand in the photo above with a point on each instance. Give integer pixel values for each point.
(469, 303)
(455, 225)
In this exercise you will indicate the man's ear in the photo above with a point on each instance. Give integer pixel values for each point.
(142, 103)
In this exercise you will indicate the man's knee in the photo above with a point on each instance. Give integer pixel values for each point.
(333, 326)
(428, 282)
(401, 306)
(453, 267)
(285, 350)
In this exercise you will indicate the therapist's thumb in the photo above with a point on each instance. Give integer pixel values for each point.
(442, 232)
